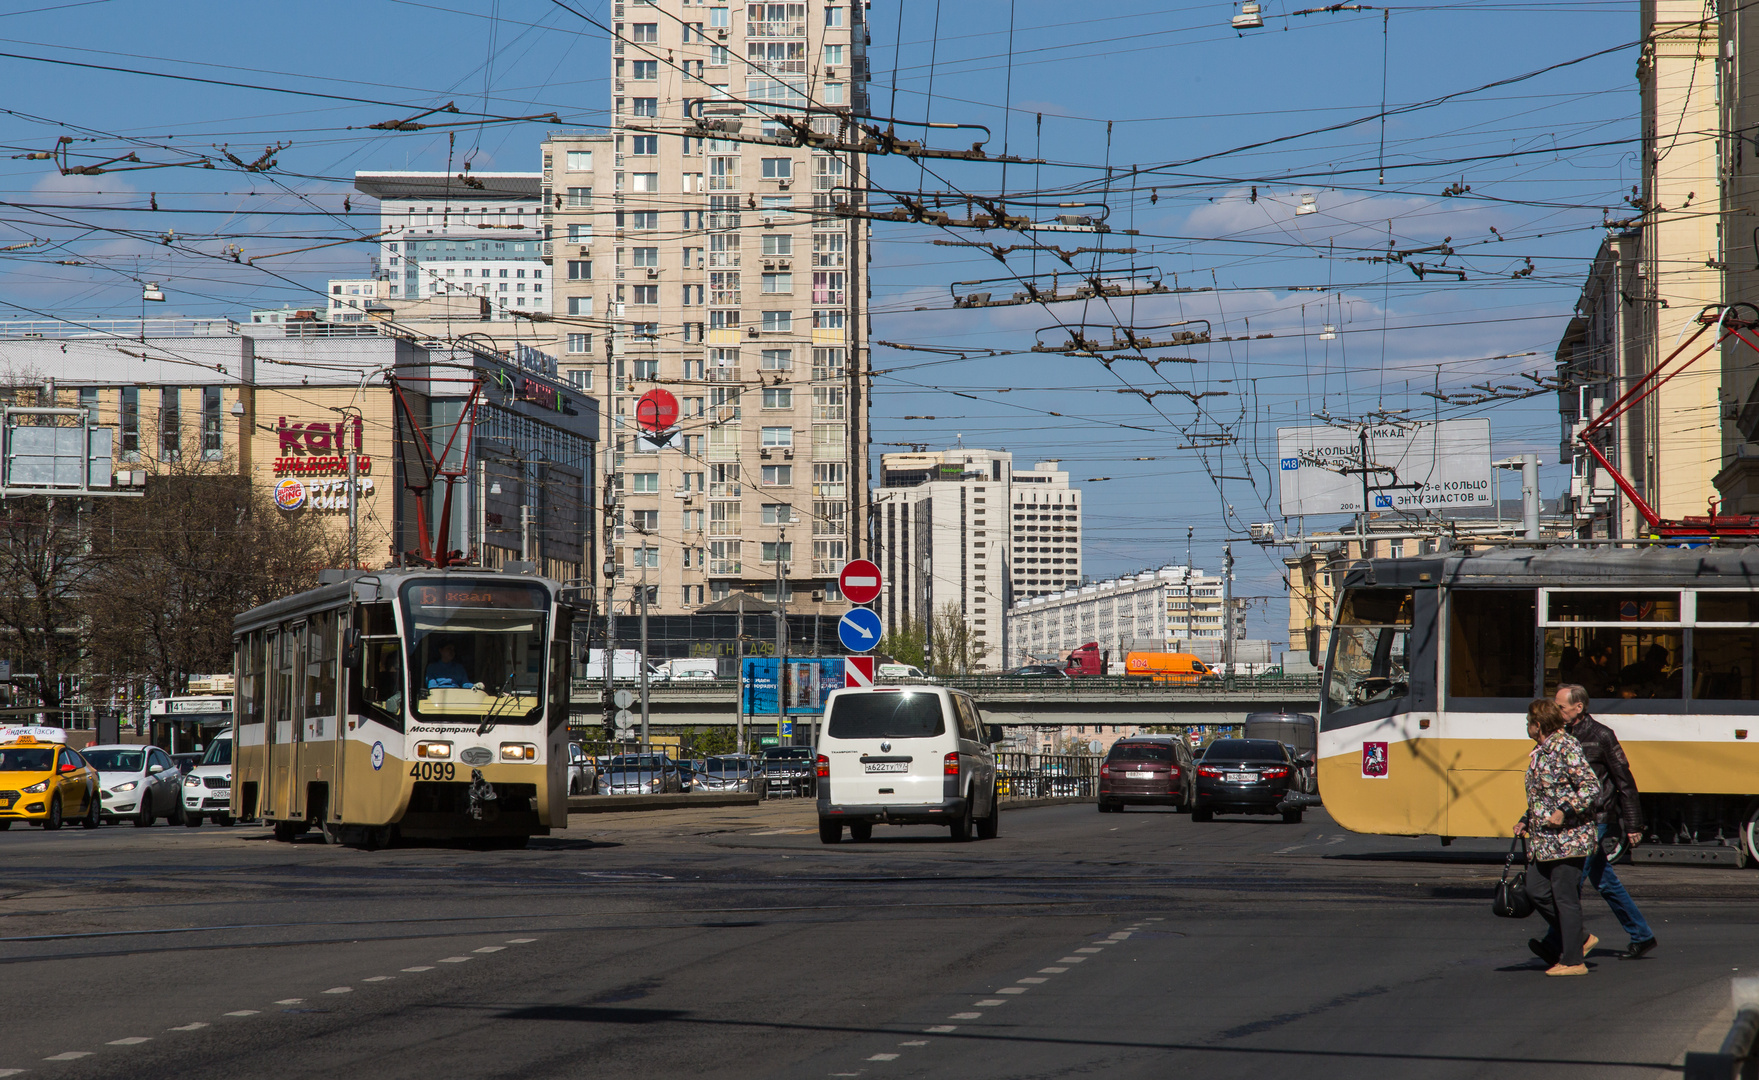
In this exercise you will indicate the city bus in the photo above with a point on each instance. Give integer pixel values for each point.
(415, 703)
(1434, 660)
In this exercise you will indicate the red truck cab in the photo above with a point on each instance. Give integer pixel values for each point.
(1086, 660)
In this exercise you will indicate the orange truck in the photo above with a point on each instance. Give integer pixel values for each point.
(1168, 667)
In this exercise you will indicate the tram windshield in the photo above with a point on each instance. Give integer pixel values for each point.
(1370, 648)
(476, 650)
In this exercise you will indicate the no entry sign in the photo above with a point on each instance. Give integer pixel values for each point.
(656, 412)
(860, 581)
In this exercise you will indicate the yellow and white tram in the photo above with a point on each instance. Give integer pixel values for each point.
(420, 703)
(1434, 660)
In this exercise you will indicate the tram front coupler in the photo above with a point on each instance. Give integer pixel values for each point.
(482, 797)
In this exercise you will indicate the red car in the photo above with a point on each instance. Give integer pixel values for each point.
(1147, 770)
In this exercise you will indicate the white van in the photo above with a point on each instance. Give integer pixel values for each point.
(704, 669)
(899, 671)
(905, 755)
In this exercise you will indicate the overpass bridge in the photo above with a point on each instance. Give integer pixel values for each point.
(675, 707)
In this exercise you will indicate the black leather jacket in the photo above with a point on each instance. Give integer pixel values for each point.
(1618, 807)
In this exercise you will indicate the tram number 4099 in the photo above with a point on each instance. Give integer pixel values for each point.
(433, 770)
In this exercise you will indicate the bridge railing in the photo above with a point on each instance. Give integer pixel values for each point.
(1303, 686)
(1047, 776)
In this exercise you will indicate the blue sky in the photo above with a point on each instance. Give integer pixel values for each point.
(1167, 98)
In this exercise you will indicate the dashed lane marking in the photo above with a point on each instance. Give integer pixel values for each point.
(941, 1029)
(1073, 960)
(989, 1003)
(1090, 949)
(71, 1055)
(915, 1042)
(197, 1026)
(340, 990)
(453, 959)
(1032, 980)
(521, 940)
(291, 1001)
(1053, 970)
(244, 1012)
(966, 1016)
(419, 969)
(883, 1057)
(132, 1040)
(490, 948)
(379, 978)
(10, 1072)
(1012, 990)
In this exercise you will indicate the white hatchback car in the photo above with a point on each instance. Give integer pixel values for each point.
(136, 782)
(906, 755)
(207, 790)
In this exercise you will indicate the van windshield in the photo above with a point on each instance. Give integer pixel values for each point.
(886, 716)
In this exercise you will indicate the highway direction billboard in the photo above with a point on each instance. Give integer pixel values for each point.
(1448, 462)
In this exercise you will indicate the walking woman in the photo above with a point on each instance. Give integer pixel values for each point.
(1562, 793)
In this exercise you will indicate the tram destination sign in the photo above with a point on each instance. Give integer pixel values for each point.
(1437, 466)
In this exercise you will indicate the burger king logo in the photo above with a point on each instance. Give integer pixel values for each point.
(290, 494)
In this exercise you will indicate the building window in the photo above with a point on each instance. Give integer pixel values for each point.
(778, 514)
(778, 397)
(644, 70)
(581, 343)
(720, 17)
(578, 270)
(834, 17)
(778, 322)
(646, 106)
(717, 55)
(644, 145)
(777, 552)
(778, 476)
(834, 96)
(778, 360)
(210, 423)
(579, 232)
(581, 378)
(645, 331)
(170, 426)
(778, 436)
(827, 403)
(644, 219)
(644, 483)
(778, 244)
(779, 282)
(827, 363)
(645, 33)
(579, 198)
(646, 294)
(778, 168)
(833, 54)
(645, 256)
(648, 368)
(827, 287)
(723, 320)
(647, 182)
(580, 305)
(579, 161)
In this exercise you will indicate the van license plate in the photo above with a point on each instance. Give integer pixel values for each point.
(1242, 777)
(888, 766)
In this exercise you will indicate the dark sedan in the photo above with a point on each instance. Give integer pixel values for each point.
(1245, 776)
(1146, 770)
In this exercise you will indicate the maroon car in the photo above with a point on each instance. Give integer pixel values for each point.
(1147, 770)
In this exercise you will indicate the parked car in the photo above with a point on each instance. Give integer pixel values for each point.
(207, 790)
(140, 783)
(1147, 770)
(898, 671)
(788, 770)
(640, 774)
(687, 670)
(728, 773)
(47, 781)
(906, 757)
(1038, 671)
(583, 775)
(1245, 776)
(687, 773)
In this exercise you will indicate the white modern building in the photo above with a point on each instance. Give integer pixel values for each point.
(1174, 608)
(1046, 532)
(351, 297)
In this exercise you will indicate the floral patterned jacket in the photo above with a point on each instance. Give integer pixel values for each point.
(1560, 778)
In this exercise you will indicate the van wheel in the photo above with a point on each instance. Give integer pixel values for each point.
(990, 823)
(861, 831)
(960, 829)
(829, 831)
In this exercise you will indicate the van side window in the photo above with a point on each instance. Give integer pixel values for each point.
(967, 717)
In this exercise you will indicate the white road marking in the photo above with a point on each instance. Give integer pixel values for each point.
(244, 1012)
(71, 1055)
(1012, 990)
(1053, 970)
(340, 990)
(418, 969)
(941, 1029)
(521, 940)
(915, 1042)
(1089, 950)
(987, 1003)
(1032, 980)
(453, 959)
(1073, 960)
(132, 1040)
(379, 978)
(291, 1001)
(490, 948)
(883, 1057)
(966, 1016)
(1120, 936)
(10, 1072)
(1155, 918)
(189, 1027)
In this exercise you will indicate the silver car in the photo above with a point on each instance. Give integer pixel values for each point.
(641, 774)
(731, 772)
(583, 773)
(139, 783)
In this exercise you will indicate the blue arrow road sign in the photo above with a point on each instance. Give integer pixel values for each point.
(859, 629)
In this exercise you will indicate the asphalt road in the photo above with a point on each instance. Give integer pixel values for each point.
(731, 943)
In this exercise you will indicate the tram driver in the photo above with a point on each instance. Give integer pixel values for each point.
(447, 672)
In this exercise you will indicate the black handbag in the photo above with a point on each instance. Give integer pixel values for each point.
(1511, 900)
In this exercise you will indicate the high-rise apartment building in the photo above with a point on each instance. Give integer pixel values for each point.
(715, 269)
(1046, 532)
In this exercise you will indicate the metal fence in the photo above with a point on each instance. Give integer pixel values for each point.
(1047, 776)
(658, 768)
(1265, 685)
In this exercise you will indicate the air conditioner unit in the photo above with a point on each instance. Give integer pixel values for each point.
(769, 265)
(818, 596)
(764, 452)
(830, 72)
(768, 219)
(584, 250)
(783, 184)
(723, 34)
(652, 273)
(750, 331)
(789, 454)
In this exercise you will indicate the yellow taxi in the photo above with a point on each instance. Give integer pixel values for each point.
(44, 781)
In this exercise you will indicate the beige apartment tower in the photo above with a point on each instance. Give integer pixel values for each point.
(714, 268)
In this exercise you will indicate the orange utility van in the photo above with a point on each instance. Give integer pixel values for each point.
(1169, 667)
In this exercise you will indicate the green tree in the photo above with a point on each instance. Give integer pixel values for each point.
(905, 644)
(957, 650)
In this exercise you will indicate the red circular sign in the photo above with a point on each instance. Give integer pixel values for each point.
(860, 581)
(657, 411)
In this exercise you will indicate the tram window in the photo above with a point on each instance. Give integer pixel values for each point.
(381, 679)
(1622, 606)
(249, 668)
(320, 666)
(1734, 607)
(1723, 662)
(477, 650)
(376, 620)
(1613, 663)
(286, 656)
(1370, 648)
(1490, 643)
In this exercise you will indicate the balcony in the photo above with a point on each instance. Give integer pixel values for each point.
(721, 374)
(730, 566)
(786, 28)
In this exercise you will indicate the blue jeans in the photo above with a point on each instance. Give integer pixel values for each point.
(1613, 892)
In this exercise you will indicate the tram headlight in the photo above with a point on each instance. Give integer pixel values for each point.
(518, 752)
(442, 750)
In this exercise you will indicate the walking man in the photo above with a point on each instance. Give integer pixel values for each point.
(1618, 810)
